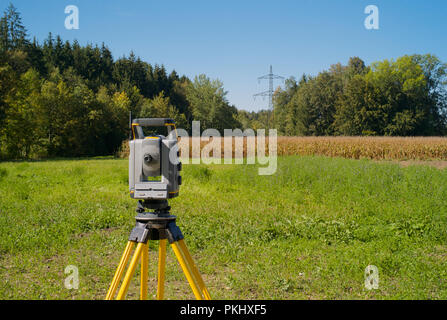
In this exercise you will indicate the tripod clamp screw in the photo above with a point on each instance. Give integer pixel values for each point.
(155, 226)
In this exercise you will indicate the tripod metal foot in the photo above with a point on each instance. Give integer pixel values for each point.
(162, 228)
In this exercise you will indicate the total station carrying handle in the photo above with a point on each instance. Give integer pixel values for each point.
(137, 125)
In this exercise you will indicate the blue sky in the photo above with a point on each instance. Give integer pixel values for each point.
(236, 41)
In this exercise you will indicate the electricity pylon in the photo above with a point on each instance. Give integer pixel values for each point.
(269, 92)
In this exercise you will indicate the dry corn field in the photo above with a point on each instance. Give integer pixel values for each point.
(377, 148)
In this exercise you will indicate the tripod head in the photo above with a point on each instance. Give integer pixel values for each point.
(160, 207)
(154, 225)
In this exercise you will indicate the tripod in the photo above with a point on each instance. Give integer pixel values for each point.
(158, 225)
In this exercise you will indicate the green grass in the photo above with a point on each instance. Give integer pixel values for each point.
(307, 232)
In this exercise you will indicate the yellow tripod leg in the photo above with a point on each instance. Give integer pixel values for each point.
(144, 271)
(119, 271)
(194, 269)
(130, 271)
(161, 269)
(186, 270)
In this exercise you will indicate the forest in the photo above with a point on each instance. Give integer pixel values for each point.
(64, 99)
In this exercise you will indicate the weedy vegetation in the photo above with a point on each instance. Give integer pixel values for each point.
(307, 232)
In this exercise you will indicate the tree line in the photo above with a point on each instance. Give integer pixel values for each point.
(64, 99)
(402, 97)
(61, 99)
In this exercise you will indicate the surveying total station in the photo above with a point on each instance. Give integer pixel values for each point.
(154, 177)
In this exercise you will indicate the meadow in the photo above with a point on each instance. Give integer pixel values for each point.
(307, 232)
